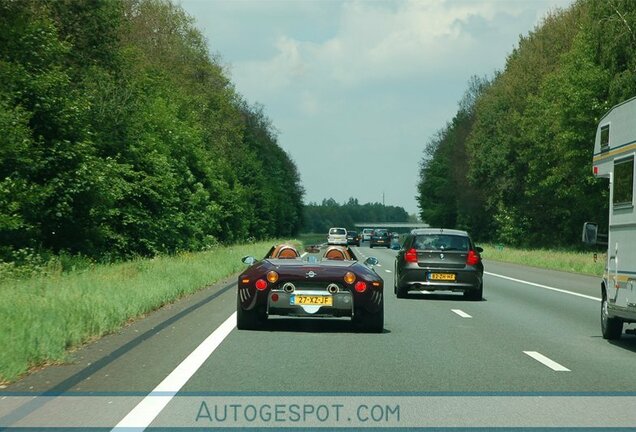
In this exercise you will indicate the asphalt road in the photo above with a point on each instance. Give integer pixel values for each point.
(536, 334)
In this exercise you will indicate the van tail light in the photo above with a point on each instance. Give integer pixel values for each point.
(472, 258)
(411, 256)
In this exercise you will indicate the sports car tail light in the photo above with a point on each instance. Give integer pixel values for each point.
(411, 255)
(349, 278)
(360, 287)
(272, 276)
(261, 284)
(472, 258)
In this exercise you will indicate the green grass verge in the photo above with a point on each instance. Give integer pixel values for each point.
(563, 260)
(45, 316)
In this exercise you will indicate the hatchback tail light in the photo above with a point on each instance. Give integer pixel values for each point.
(472, 258)
(411, 256)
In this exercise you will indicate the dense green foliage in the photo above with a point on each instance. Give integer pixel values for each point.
(320, 217)
(514, 165)
(120, 135)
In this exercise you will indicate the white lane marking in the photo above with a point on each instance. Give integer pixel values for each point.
(388, 271)
(379, 265)
(461, 313)
(546, 361)
(544, 286)
(149, 408)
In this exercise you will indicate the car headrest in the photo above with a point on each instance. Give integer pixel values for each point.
(337, 253)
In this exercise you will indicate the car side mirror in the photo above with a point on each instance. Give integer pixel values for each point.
(248, 259)
(371, 261)
(479, 249)
(590, 233)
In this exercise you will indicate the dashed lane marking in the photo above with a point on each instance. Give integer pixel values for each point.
(461, 313)
(546, 361)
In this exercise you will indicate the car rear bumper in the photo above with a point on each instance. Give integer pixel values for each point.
(342, 304)
(418, 279)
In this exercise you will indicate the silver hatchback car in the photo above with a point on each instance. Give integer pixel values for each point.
(437, 259)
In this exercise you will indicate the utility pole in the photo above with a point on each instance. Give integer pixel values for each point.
(382, 199)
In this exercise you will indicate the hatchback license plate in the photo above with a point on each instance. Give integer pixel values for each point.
(441, 276)
(310, 300)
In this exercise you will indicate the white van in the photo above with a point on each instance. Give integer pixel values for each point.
(337, 236)
(614, 153)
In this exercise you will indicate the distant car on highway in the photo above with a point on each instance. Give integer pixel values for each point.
(337, 236)
(395, 242)
(353, 238)
(366, 234)
(284, 284)
(380, 237)
(435, 259)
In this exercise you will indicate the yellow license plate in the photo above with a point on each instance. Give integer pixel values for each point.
(310, 300)
(442, 276)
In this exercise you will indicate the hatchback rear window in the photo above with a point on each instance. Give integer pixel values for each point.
(338, 231)
(439, 242)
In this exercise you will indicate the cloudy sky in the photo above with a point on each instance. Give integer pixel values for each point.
(357, 88)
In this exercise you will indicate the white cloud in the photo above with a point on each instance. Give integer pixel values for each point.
(380, 41)
(352, 83)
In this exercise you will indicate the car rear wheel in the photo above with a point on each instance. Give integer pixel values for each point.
(248, 319)
(371, 245)
(475, 295)
(612, 328)
(372, 322)
(400, 291)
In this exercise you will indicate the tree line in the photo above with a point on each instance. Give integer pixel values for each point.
(318, 218)
(514, 164)
(120, 135)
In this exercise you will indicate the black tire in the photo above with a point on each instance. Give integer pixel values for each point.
(371, 245)
(612, 328)
(400, 291)
(475, 295)
(248, 319)
(395, 278)
(371, 322)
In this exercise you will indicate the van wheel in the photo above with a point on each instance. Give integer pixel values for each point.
(612, 328)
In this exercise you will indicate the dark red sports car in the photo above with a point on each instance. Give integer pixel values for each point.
(334, 284)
